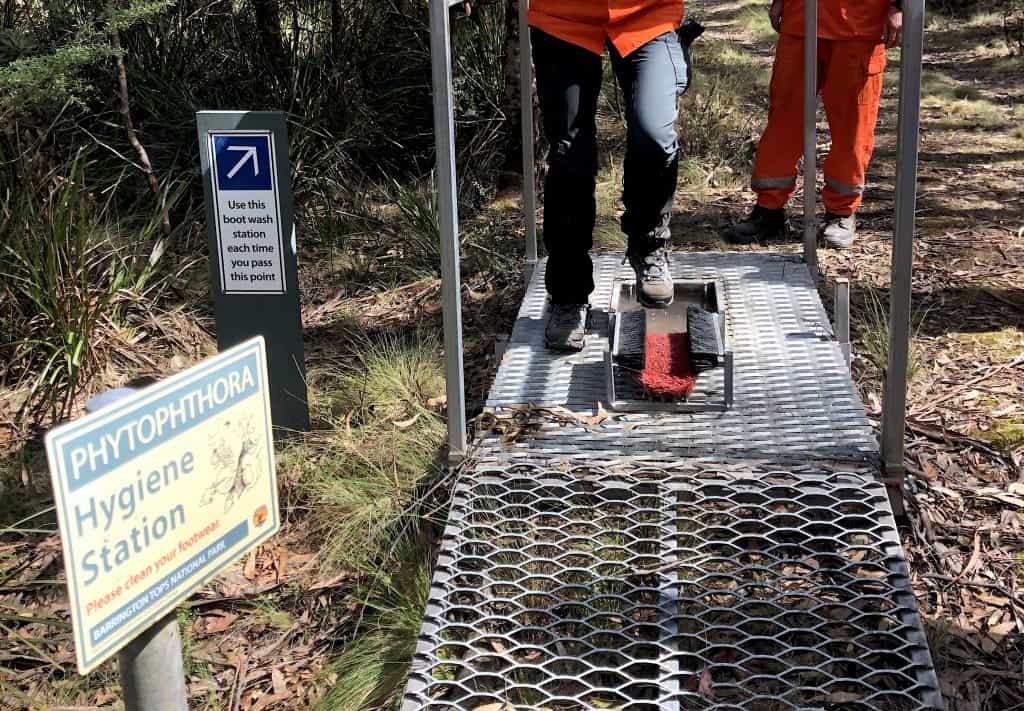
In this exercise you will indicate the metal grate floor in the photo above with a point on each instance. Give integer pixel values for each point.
(591, 588)
(794, 397)
(742, 560)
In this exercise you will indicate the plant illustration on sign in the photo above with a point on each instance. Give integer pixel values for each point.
(233, 456)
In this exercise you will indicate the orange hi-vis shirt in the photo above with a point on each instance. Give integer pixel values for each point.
(629, 24)
(839, 19)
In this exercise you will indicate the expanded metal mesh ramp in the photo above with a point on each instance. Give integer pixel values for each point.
(739, 560)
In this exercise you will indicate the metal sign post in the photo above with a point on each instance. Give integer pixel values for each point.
(253, 273)
(451, 280)
(811, 136)
(894, 409)
(152, 671)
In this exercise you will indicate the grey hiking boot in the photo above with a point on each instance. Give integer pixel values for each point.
(761, 226)
(653, 279)
(839, 230)
(567, 327)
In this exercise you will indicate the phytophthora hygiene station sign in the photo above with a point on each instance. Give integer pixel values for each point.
(157, 494)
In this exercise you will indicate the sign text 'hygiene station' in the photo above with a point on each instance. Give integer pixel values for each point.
(158, 493)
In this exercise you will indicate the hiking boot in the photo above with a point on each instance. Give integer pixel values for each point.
(654, 286)
(839, 230)
(566, 327)
(761, 226)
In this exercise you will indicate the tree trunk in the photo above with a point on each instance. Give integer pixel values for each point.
(124, 109)
(268, 25)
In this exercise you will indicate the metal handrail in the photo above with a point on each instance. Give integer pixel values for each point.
(448, 222)
(448, 209)
(526, 119)
(811, 137)
(894, 403)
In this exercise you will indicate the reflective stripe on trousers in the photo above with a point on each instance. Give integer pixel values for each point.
(843, 188)
(781, 183)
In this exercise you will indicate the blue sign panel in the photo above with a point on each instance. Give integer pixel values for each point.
(243, 162)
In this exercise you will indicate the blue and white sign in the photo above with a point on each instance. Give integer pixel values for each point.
(248, 213)
(157, 494)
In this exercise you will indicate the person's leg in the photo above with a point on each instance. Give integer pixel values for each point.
(652, 78)
(568, 84)
(775, 173)
(852, 89)
(778, 153)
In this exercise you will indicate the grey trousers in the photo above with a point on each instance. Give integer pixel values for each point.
(568, 84)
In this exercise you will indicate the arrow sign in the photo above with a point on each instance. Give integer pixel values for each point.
(249, 153)
(243, 161)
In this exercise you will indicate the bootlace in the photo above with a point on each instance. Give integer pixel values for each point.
(654, 265)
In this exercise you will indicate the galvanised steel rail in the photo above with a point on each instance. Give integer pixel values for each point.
(444, 132)
(894, 407)
(894, 404)
(811, 137)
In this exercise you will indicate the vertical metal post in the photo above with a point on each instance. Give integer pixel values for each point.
(152, 671)
(448, 218)
(842, 304)
(526, 119)
(895, 399)
(811, 135)
(151, 665)
(729, 385)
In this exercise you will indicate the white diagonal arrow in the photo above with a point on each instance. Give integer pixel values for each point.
(250, 152)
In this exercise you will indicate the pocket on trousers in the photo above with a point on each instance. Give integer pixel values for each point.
(876, 62)
(872, 69)
(680, 59)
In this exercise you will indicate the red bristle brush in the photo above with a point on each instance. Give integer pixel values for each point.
(667, 373)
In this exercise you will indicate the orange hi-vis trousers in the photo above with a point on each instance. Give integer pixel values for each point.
(850, 84)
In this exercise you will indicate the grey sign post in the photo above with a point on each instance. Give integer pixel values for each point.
(250, 224)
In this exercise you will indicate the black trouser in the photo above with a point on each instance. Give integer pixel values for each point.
(568, 84)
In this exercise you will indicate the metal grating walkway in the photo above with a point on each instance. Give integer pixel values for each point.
(740, 560)
(794, 397)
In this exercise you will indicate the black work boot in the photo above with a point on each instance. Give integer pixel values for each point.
(761, 226)
(654, 286)
(566, 329)
(839, 230)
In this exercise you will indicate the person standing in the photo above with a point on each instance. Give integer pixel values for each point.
(852, 38)
(652, 67)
